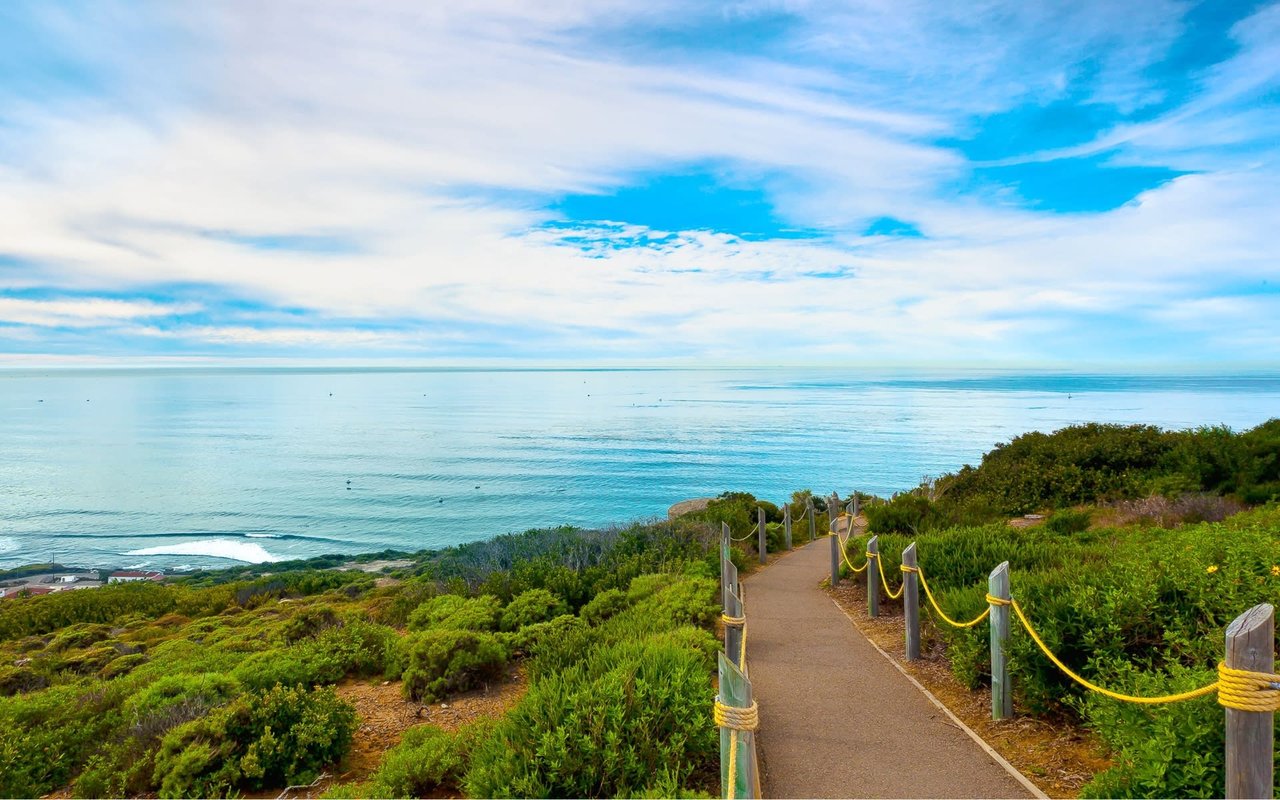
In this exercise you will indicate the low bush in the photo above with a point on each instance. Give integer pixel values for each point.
(604, 728)
(281, 736)
(527, 608)
(456, 613)
(446, 660)
(1069, 521)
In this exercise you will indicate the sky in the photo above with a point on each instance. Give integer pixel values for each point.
(642, 182)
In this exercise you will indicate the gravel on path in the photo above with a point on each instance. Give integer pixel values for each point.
(836, 718)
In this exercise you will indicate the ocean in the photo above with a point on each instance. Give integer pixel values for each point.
(188, 468)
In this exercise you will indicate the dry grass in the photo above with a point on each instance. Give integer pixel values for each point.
(1056, 755)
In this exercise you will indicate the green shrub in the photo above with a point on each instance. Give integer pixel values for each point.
(1069, 521)
(308, 622)
(446, 660)
(527, 639)
(603, 728)
(534, 605)
(604, 605)
(281, 736)
(456, 613)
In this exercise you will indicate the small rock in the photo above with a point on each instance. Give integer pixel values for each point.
(444, 705)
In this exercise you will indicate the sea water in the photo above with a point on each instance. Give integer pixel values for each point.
(186, 468)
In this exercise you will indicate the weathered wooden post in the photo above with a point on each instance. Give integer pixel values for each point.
(911, 601)
(813, 523)
(873, 582)
(1251, 641)
(836, 544)
(726, 562)
(735, 692)
(1001, 691)
(763, 537)
(855, 502)
(786, 523)
(734, 624)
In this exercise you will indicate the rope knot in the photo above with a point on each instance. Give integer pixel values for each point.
(737, 719)
(910, 570)
(1243, 690)
(998, 601)
(733, 622)
(872, 555)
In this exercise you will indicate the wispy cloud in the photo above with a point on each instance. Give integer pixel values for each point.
(615, 181)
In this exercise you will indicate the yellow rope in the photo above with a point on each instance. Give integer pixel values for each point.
(902, 587)
(735, 719)
(754, 528)
(992, 600)
(929, 593)
(1243, 690)
(735, 622)
(1128, 698)
(845, 556)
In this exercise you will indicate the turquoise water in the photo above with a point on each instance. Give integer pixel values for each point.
(187, 468)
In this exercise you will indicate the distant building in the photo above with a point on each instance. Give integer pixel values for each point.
(128, 575)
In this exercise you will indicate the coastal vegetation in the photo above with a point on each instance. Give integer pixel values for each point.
(1144, 557)
(1147, 544)
(225, 683)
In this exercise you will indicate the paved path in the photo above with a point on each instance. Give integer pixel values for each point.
(836, 718)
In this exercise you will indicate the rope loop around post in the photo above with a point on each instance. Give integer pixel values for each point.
(737, 719)
(998, 601)
(733, 622)
(1243, 690)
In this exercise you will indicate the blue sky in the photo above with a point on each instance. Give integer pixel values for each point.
(995, 183)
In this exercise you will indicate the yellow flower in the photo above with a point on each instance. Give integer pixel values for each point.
(1212, 569)
(1275, 570)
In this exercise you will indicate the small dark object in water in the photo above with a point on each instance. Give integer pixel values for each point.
(441, 499)
(477, 486)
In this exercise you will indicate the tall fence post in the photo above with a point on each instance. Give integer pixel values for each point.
(786, 523)
(855, 502)
(725, 563)
(735, 691)
(763, 537)
(1001, 691)
(873, 582)
(911, 602)
(1251, 734)
(733, 631)
(836, 544)
(813, 523)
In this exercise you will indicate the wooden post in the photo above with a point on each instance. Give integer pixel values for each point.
(855, 502)
(735, 690)
(733, 633)
(725, 563)
(813, 523)
(911, 602)
(1001, 691)
(1250, 734)
(763, 536)
(835, 557)
(873, 577)
(786, 523)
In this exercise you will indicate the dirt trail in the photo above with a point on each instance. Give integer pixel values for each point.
(836, 718)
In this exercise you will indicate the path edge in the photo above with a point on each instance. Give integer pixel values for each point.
(991, 751)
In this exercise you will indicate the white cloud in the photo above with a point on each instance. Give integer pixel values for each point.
(84, 313)
(429, 136)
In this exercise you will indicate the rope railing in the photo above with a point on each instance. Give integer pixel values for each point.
(747, 535)
(1247, 686)
(1243, 690)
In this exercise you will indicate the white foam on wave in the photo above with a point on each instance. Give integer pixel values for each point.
(8, 544)
(217, 548)
(262, 535)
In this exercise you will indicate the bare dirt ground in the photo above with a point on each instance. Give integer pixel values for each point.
(384, 715)
(1060, 757)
